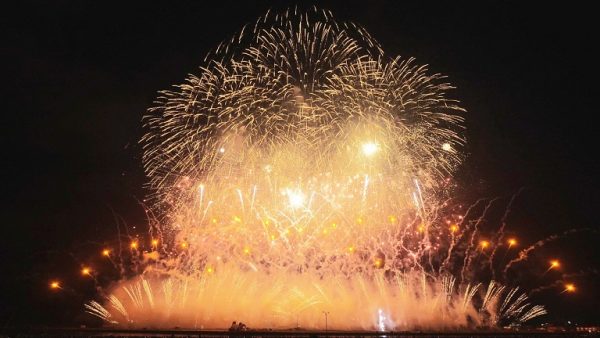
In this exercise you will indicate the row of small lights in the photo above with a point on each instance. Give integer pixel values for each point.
(378, 262)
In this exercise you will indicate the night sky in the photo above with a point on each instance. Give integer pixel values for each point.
(79, 75)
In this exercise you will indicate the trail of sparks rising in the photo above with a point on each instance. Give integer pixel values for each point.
(303, 171)
(500, 236)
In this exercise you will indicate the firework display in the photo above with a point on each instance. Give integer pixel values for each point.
(303, 171)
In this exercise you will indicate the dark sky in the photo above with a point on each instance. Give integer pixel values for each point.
(78, 75)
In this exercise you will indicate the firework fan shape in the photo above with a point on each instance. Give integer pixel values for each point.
(303, 171)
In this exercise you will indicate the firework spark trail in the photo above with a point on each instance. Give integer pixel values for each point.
(492, 294)
(524, 254)
(564, 278)
(466, 215)
(118, 306)
(468, 257)
(301, 168)
(469, 293)
(552, 285)
(96, 309)
(500, 236)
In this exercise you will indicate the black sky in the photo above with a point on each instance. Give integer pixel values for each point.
(78, 75)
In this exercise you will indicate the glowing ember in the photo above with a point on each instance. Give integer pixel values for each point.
(370, 148)
(484, 244)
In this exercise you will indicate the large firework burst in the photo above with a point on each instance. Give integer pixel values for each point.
(304, 170)
(308, 82)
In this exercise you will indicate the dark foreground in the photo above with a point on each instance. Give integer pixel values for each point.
(177, 333)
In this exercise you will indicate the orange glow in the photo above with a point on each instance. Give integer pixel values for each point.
(484, 244)
(511, 242)
(553, 264)
(209, 269)
(134, 245)
(86, 271)
(453, 228)
(105, 252)
(54, 285)
(351, 249)
(184, 245)
(378, 263)
(155, 242)
(247, 250)
(569, 287)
